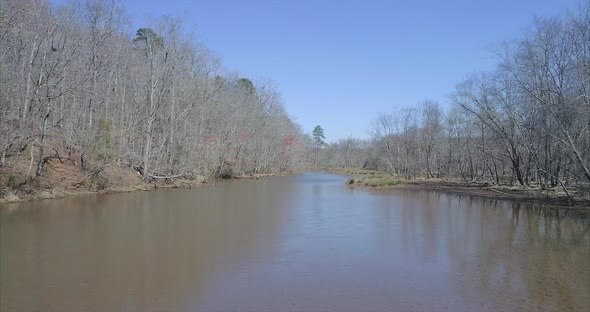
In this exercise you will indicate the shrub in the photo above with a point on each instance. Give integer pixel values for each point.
(224, 171)
(12, 181)
(103, 140)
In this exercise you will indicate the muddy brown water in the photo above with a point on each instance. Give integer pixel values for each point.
(299, 243)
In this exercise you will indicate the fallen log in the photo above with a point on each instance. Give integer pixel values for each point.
(166, 177)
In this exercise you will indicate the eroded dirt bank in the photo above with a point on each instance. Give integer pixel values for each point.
(63, 178)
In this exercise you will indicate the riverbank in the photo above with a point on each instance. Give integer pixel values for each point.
(532, 195)
(65, 179)
(554, 197)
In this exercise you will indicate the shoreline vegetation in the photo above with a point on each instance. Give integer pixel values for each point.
(378, 180)
(63, 179)
(115, 179)
(518, 130)
(89, 105)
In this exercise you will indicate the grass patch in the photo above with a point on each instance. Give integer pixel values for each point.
(359, 171)
(381, 181)
(351, 171)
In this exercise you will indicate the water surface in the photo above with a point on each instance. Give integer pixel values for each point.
(298, 243)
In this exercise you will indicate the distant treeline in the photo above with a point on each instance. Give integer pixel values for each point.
(526, 122)
(76, 81)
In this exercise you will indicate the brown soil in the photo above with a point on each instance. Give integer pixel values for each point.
(65, 177)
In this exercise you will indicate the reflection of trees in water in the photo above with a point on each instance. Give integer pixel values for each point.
(548, 223)
(508, 255)
(559, 275)
(532, 257)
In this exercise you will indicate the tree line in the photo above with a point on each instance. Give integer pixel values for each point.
(76, 82)
(526, 122)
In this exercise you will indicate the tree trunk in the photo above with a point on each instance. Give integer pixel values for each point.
(41, 160)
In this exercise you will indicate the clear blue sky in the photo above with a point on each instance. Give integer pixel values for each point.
(341, 63)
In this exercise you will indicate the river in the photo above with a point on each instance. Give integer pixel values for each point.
(299, 243)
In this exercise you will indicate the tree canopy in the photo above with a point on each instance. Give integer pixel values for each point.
(318, 136)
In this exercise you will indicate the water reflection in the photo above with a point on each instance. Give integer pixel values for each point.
(300, 243)
(502, 255)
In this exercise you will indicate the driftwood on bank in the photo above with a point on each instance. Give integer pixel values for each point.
(141, 171)
(166, 177)
(93, 173)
